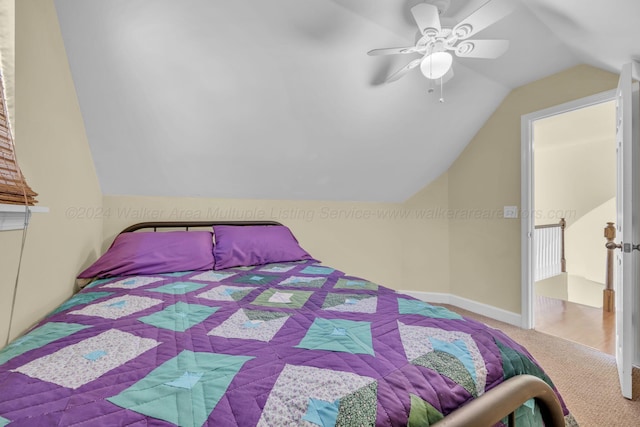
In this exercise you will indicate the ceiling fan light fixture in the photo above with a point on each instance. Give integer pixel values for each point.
(436, 65)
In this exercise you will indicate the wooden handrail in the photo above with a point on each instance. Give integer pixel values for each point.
(608, 294)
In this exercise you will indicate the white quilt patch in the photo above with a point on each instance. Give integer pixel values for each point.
(78, 364)
(116, 308)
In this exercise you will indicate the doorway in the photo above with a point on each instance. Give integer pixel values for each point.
(574, 198)
(569, 178)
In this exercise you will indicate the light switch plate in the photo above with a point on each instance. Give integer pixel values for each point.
(511, 212)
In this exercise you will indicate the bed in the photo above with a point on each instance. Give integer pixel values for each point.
(259, 333)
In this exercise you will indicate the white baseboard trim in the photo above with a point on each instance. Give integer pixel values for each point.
(470, 305)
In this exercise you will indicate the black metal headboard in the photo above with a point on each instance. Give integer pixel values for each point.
(191, 224)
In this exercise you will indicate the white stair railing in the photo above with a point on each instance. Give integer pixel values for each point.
(549, 250)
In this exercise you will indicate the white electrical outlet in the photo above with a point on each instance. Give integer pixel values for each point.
(511, 212)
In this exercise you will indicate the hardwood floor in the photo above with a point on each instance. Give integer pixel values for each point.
(576, 322)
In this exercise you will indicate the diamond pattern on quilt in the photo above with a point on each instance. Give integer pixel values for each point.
(355, 284)
(226, 293)
(212, 276)
(133, 282)
(39, 337)
(304, 390)
(351, 303)
(80, 363)
(289, 299)
(420, 340)
(179, 317)
(255, 279)
(116, 308)
(277, 268)
(176, 274)
(340, 335)
(183, 390)
(80, 299)
(251, 324)
(178, 288)
(412, 306)
(303, 281)
(315, 269)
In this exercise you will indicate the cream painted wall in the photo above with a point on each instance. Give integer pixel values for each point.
(484, 247)
(585, 251)
(401, 246)
(54, 155)
(425, 239)
(575, 162)
(361, 239)
(574, 181)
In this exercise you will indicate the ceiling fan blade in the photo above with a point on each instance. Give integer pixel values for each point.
(404, 70)
(490, 13)
(427, 18)
(489, 49)
(392, 51)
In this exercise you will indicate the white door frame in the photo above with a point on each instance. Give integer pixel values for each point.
(527, 220)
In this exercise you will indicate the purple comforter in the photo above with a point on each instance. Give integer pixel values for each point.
(274, 345)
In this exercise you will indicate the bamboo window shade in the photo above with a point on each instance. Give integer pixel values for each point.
(13, 187)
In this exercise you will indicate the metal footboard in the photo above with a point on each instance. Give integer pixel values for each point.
(503, 400)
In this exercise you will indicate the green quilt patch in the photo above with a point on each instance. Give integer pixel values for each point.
(183, 390)
(303, 282)
(246, 268)
(39, 337)
(422, 413)
(334, 299)
(355, 284)
(176, 288)
(527, 415)
(265, 316)
(4, 422)
(339, 335)
(282, 298)
(79, 299)
(179, 317)
(410, 306)
(359, 408)
(449, 366)
(515, 363)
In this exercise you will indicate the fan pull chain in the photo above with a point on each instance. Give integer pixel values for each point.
(441, 90)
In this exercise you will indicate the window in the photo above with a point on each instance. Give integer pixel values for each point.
(13, 186)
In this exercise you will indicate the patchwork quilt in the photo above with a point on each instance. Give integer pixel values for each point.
(289, 344)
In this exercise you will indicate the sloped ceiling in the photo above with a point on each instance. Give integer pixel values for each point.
(278, 99)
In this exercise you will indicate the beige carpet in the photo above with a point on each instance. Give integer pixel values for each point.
(586, 378)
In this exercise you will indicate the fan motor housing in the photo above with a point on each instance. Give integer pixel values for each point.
(442, 5)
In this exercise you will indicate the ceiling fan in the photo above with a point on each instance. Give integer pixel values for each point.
(436, 41)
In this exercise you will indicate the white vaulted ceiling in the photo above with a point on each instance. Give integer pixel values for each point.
(278, 100)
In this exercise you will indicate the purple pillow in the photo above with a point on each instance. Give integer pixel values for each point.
(152, 253)
(245, 245)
